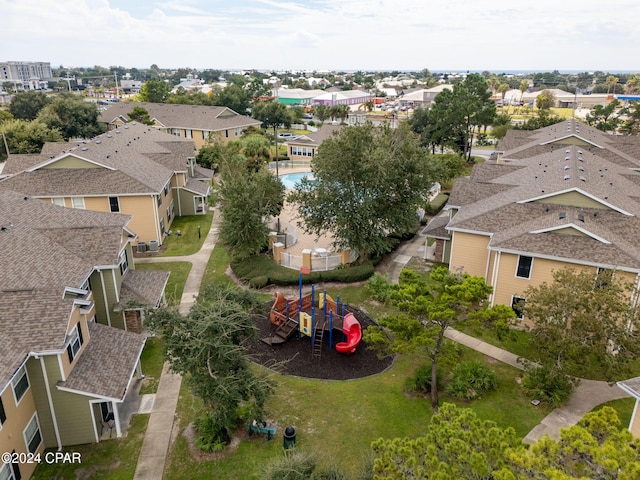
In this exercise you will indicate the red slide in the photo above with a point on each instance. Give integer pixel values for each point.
(351, 328)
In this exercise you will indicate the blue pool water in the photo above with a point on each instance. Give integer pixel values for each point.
(289, 180)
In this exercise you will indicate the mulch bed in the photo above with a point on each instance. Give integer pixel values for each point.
(294, 357)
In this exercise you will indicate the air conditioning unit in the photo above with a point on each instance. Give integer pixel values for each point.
(142, 247)
(153, 245)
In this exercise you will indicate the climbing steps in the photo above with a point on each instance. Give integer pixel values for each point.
(282, 333)
(318, 334)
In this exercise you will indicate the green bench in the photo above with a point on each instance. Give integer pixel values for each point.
(261, 428)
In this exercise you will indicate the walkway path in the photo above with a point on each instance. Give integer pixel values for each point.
(158, 435)
(588, 395)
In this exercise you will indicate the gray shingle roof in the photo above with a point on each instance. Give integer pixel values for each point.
(107, 363)
(198, 117)
(197, 186)
(520, 202)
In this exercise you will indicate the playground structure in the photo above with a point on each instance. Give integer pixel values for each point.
(315, 320)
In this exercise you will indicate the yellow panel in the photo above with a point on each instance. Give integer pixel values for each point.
(143, 221)
(469, 252)
(573, 199)
(71, 162)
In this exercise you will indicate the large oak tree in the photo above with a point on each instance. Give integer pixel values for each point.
(368, 184)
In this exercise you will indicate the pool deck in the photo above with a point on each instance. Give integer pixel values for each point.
(289, 214)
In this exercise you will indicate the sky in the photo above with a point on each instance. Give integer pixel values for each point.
(349, 35)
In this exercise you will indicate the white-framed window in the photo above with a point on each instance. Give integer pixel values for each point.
(302, 151)
(604, 276)
(20, 384)
(58, 201)
(114, 204)
(7, 472)
(3, 414)
(172, 208)
(188, 133)
(517, 304)
(77, 202)
(75, 343)
(159, 199)
(237, 131)
(162, 226)
(32, 436)
(169, 213)
(175, 131)
(524, 266)
(124, 263)
(166, 189)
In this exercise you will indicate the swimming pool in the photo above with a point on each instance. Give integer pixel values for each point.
(289, 180)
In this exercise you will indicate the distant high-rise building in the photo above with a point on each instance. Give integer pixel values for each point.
(30, 75)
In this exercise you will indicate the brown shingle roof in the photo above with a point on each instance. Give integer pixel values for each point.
(46, 248)
(519, 202)
(198, 117)
(107, 363)
(134, 159)
(142, 287)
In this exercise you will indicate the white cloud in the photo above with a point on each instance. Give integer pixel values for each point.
(339, 34)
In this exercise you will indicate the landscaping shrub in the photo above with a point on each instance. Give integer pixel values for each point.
(420, 382)
(548, 384)
(470, 379)
(250, 269)
(259, 282)
(299, 465)
(380, 287)
(437, 204)
(211, 436)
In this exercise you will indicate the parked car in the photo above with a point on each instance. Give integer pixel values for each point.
(287, 136)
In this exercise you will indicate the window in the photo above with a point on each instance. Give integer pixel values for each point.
(10, 471)
(524, 267)
(77, 202)
(517, 304)
(172, 209)
(169, 214)
(188, 134)
(76, 342)
(124, 264)
(302, 151)
(20, 383)
(162, 225)
(604, 276)
(3, 415)
(114, 204)
(175, 131)
(166, 189)
(159, 200)
(32, 437)
(237, 131)
(58, 201)
(226, 133)
(204, 135)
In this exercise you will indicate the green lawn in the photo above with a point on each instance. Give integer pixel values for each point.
(189, 241)
(114, 459)
(175, 284)
(152, 360)
(339, 420)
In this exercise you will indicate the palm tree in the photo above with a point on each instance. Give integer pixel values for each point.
(524, 86)
(612, 82)
(633, 84)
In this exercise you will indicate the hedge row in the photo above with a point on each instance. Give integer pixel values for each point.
(260, 270)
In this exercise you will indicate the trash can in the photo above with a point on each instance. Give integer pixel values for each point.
(289, 440)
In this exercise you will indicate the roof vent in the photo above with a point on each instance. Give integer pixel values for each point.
(109, 136)
(567, 158)
(567, 151)
(579, 152)
(84, 149)
(567, 177)
(567, 167)
(4, 229)
(98, 142)
(581, 218)
(562, 215)
(582, 178)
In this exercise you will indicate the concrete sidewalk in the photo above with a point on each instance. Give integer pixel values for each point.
(588, 395)
(158, 435)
